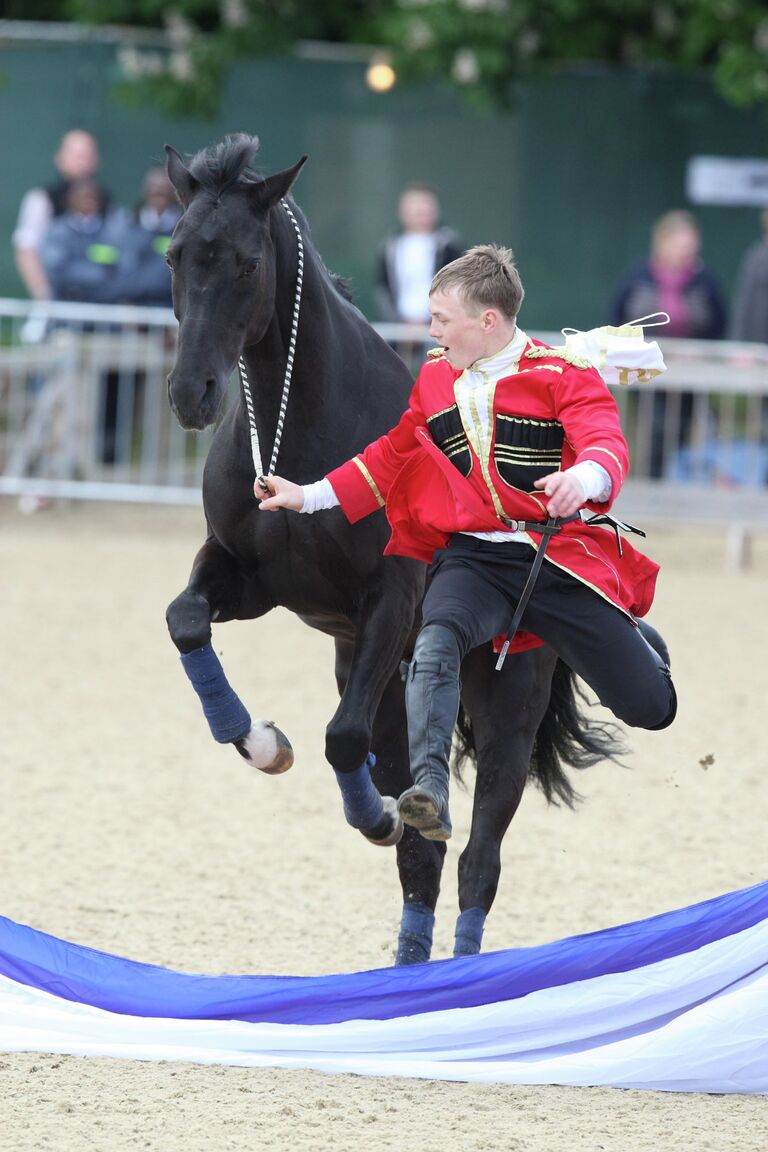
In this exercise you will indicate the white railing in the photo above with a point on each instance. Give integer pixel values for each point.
(84, 415)
(83, 409)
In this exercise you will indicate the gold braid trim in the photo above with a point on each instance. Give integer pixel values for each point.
(530, 419)
(369, 480)
(559, 354)
(589, 584)
(483, 446)
(544, 368)
(442, 412)
(597, 448)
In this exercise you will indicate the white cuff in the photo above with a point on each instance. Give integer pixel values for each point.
(594, 480)
(318, 496)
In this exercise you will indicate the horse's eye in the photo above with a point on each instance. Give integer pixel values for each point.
(169, 261)
(250, 267)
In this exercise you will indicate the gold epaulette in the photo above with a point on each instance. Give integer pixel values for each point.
(435, 354)
(559, 354)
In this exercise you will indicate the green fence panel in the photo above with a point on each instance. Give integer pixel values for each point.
(571, 177)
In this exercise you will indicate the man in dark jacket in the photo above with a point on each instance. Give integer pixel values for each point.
(84, 250)
(146, 279)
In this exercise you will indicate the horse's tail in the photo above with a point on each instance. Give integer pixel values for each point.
(564, 737)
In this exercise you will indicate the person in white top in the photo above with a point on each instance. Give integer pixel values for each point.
(408, 260)
(76, 157)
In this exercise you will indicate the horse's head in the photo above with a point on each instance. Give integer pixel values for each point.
(223, 260)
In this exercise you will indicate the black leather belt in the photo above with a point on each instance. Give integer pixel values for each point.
(548, 529)
(538, 525)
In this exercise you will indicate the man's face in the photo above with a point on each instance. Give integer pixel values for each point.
(460, 330)
(159, 193)
(77, 156)
(679, 248)
(419, 211)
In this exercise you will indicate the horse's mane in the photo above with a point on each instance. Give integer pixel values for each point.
(224, 165)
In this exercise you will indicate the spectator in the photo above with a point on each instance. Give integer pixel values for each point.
(85, 249)
(750, 310)
(147, 279)
(96, 255)
(673, 280)
(87, 253)
(408, 260)
(77, 156)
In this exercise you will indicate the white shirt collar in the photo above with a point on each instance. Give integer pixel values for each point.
(502, 363)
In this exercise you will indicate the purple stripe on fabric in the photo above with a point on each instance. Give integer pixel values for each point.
(84, 975)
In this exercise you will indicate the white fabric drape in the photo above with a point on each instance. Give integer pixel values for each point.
(694, 1020)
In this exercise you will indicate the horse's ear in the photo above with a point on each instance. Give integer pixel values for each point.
(179, 175)
(269, 191)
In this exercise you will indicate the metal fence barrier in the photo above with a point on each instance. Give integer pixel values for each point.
(84, 415)
(83, 409)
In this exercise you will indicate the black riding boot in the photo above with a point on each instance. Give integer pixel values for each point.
(432, 703)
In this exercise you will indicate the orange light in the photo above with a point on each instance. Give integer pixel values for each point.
(380, 76)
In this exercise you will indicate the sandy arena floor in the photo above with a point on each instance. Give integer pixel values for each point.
(123, 826)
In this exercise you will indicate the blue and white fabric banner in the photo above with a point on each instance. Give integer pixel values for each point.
(678, 1002)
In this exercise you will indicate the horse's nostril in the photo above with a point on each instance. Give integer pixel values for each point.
(210, 390)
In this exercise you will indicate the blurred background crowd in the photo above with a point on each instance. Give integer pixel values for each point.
(580, 153)
(75, 241)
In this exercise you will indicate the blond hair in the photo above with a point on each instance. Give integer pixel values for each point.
(486, 276)
(671, 222)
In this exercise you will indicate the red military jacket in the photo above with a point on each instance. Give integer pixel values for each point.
(436, 478)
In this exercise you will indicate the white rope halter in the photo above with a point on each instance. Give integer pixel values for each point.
(255, 448)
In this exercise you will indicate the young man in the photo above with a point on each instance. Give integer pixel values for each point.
(500, 435)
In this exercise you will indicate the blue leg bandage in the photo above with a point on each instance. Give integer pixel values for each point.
(227, 716)
(469, 932)
(414, 943)
(363, 807)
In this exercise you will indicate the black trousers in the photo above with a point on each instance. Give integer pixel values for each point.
(475, 587)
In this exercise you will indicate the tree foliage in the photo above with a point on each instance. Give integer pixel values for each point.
(481, 46)
(485, 44)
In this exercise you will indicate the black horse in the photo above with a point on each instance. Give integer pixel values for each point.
(238, 255)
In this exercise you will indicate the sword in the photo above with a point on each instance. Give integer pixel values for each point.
(547, 530)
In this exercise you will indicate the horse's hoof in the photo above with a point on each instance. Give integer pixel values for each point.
(393, 828)
(266, 748)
